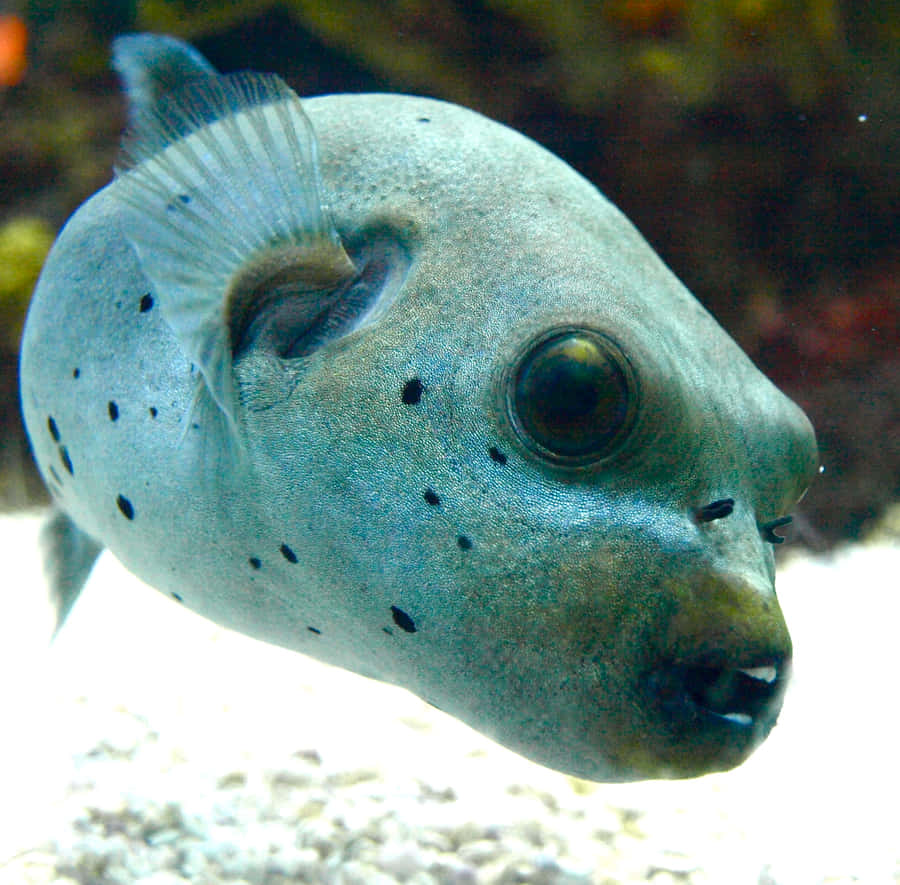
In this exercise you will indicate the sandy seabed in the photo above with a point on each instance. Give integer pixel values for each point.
(146, 745)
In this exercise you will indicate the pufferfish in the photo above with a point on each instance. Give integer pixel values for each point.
(382, 381)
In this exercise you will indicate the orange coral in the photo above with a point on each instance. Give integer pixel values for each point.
(13, 45)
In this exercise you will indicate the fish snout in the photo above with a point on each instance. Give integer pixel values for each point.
(718, 683)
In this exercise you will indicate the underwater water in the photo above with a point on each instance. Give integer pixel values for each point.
(148, 745)
(755, 146)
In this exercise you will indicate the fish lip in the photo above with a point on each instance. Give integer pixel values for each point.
(714, 693)
(703, 712)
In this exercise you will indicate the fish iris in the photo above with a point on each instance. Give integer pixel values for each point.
(573, 396)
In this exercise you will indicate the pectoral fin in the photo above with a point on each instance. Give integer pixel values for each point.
(222, 200)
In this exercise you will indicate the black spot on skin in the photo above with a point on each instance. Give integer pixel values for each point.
(423, 120)
(464, 543)
(177, 598)
(255, 562)
(66, 460)
(184, 198)
(314, 630)
(431, 497)
(146, 302)
(412, 391)
(153, 411)
(497, 455)
(288, 554)
(113, 410)
(403, 620)
(54, 430)
(388, 631)
(76, 373)
(125, 507)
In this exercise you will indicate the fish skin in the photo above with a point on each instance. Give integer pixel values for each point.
(380, 510)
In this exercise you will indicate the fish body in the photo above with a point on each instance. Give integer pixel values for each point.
(377, 379)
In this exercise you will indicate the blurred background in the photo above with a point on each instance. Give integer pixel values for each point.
(753, 142)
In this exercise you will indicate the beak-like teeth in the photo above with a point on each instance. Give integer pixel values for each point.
(764, 674)
(739, 718)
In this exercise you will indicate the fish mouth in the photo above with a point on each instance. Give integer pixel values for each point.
(716, 713)
(745, 697)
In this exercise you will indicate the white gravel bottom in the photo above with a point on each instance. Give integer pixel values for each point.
(149, 746)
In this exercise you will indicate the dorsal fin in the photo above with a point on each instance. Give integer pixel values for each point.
(153, 65)
(219, 182)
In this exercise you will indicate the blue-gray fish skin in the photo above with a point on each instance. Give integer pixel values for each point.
(382, 381)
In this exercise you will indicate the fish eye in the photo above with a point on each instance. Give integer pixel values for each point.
(573, 396)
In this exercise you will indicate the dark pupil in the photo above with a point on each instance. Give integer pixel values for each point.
(571, 395)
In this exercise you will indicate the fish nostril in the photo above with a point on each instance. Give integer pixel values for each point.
(714, 510)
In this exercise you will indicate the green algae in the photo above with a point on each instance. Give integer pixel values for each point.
(24, 244)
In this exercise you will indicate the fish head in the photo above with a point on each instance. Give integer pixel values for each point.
(523, 444)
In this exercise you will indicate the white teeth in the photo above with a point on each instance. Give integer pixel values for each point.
(739, 718)
(764, 674)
